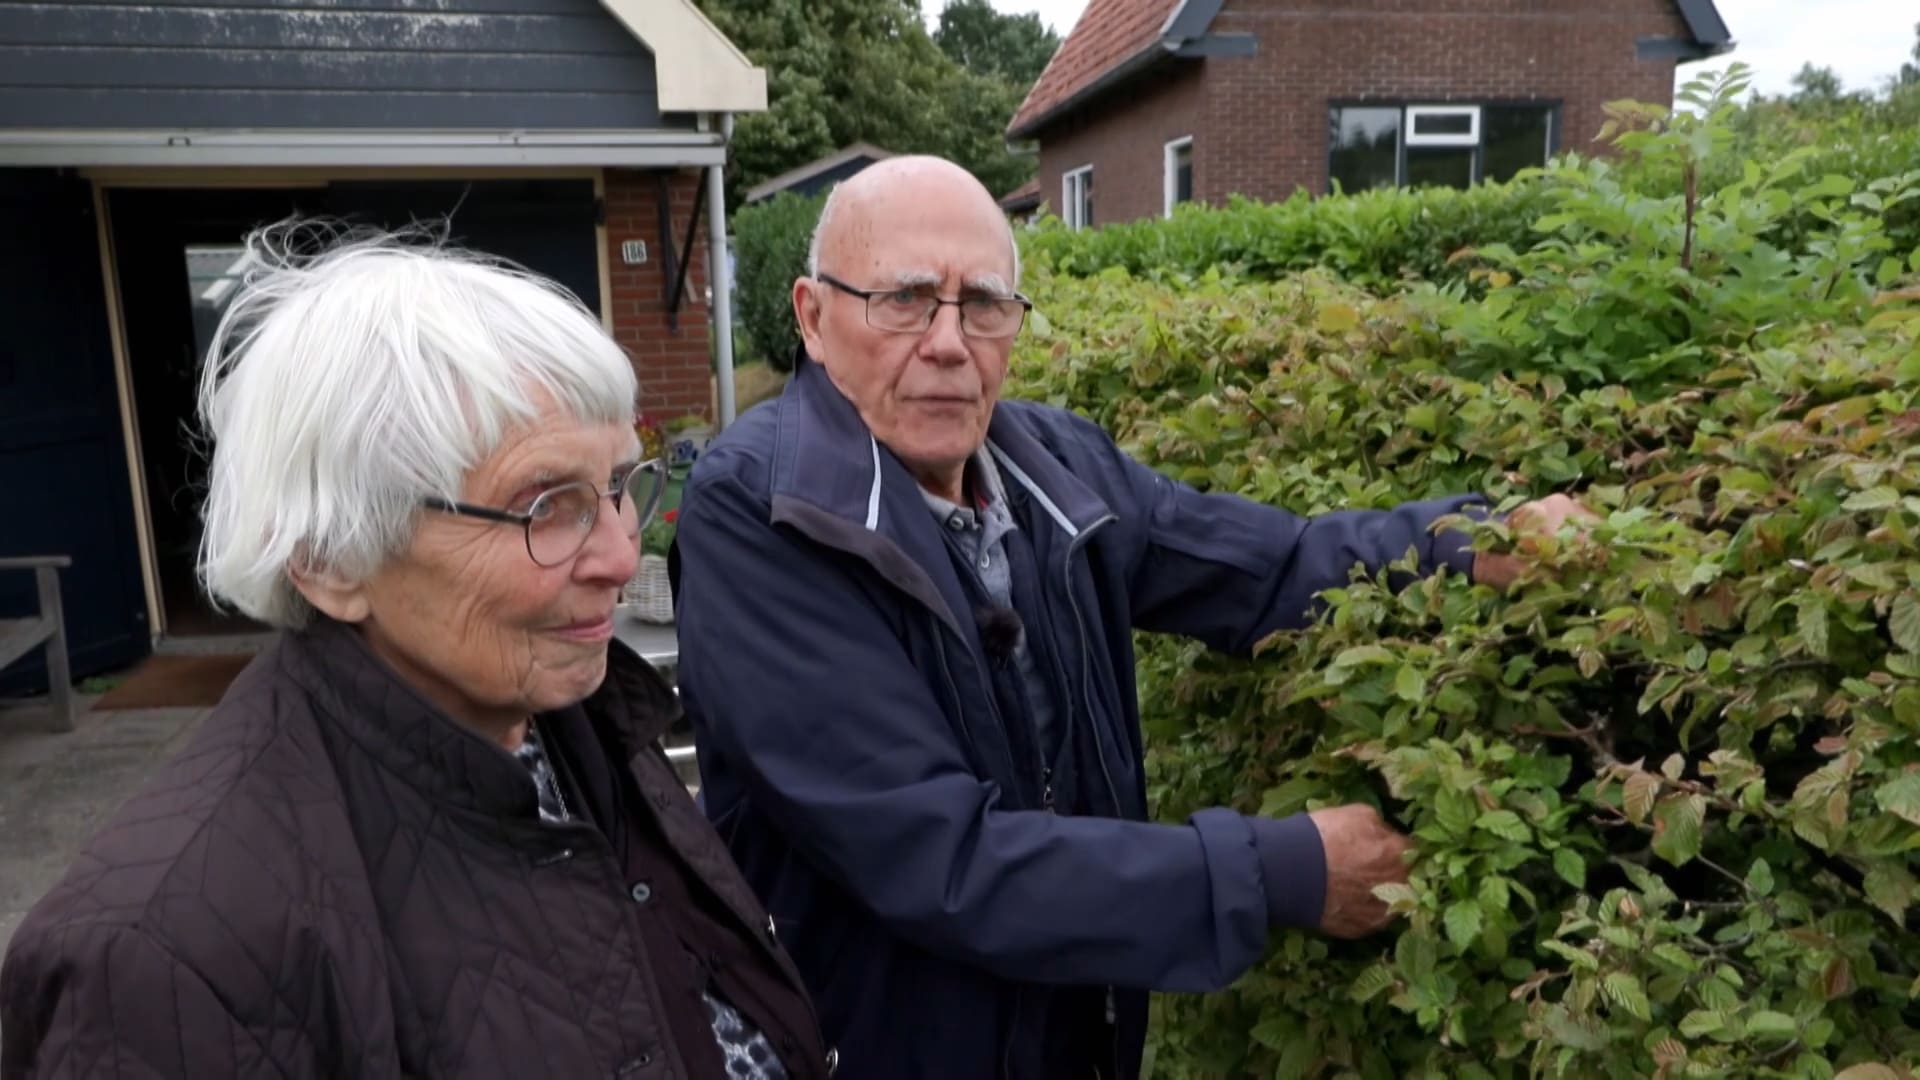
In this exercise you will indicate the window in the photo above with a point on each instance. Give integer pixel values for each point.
(1452, 145)
(1366, 148)
(1178, 183)
(1514, 137)
(1076, 197)
(1443, 125)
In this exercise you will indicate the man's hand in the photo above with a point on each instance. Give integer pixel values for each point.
(1542, 517)
(1362, 851)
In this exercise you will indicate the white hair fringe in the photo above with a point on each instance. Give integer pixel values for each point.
(357, 372)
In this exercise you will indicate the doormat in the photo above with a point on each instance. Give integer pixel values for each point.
(173, 682)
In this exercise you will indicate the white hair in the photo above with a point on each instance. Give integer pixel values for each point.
(827, 209)
(356, 374)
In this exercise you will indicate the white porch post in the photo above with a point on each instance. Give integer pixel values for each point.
(719, 278)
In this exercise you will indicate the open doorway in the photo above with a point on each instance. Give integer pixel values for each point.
(177, 260)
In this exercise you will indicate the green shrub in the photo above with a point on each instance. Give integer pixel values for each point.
(1636, 284)
(1666, 793)
(1384, 239)
(1379, 239)
(1879, 137)
(755, 383)
(770, 251)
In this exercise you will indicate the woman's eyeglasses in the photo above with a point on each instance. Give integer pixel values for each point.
(558, 520)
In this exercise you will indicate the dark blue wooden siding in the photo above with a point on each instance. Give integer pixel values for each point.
(305, 64)
(63, 464)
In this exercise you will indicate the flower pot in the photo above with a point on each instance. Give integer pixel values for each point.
(686, 445)
(649, 596)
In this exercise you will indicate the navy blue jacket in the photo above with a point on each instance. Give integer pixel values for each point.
(852, 755)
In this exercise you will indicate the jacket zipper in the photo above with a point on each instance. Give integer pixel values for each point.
(1086, 655)
(1093, 724)
(993, 706)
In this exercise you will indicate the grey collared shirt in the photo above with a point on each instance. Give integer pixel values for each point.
(982, 536)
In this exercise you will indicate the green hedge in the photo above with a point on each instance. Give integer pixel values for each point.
(1385, 239)
(770, 241)
(1393, 240)
(1666, 794)
(1379, 239)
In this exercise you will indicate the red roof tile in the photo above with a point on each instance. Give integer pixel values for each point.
(1108, 32)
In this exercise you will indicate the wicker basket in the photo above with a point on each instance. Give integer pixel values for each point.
(650, 594)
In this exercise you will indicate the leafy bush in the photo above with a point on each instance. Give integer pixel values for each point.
(1640, 284)
(1666, 793)
(770, 250)
(755, 383)
(1384, 239)
(1379, 239)
(1877, 137)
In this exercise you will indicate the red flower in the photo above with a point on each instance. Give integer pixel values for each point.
(670, 516)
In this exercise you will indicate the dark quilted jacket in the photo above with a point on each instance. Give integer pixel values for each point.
(334, 880)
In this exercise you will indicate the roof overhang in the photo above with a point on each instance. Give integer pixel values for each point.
(1184, 36)
(82, 148)
(1132, 66)
(698, 69)
(1707, 29)
(813, 168)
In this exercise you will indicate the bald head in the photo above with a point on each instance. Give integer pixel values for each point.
(920, 242)
(893, 194)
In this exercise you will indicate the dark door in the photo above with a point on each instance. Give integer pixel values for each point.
(63, 464)
(546, 226)
(173, 251)
(177, 254)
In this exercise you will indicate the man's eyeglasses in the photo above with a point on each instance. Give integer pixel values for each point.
(910, 309)
(558, 520)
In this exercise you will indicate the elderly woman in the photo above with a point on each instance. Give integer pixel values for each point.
(428, 832)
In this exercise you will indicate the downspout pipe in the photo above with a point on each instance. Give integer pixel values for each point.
(719, 276)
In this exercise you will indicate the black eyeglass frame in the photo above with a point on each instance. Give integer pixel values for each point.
(655, 467)
(867, 295)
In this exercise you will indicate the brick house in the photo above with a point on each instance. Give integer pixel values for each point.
(1168, 100)
(139, 144)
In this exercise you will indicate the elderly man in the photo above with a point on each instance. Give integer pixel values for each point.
(905, 615)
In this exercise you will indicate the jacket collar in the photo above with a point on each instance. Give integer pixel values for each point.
(396, 725)
(826, 457)
(1028, 465)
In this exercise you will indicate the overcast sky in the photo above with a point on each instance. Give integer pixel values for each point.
(1863, 40)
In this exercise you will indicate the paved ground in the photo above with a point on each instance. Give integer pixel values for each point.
(56, 790)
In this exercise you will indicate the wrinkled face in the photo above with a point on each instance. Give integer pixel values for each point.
(926, 396)
(473, 622)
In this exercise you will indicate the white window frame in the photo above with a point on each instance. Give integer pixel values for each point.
(1410, 136)
(1169, 171)
(1071, 207)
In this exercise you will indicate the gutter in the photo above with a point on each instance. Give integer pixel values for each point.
(80, 148)
(1708, 29)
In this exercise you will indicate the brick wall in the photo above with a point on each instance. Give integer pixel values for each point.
(1125, 141)
(1260, 123)
(673, 365)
